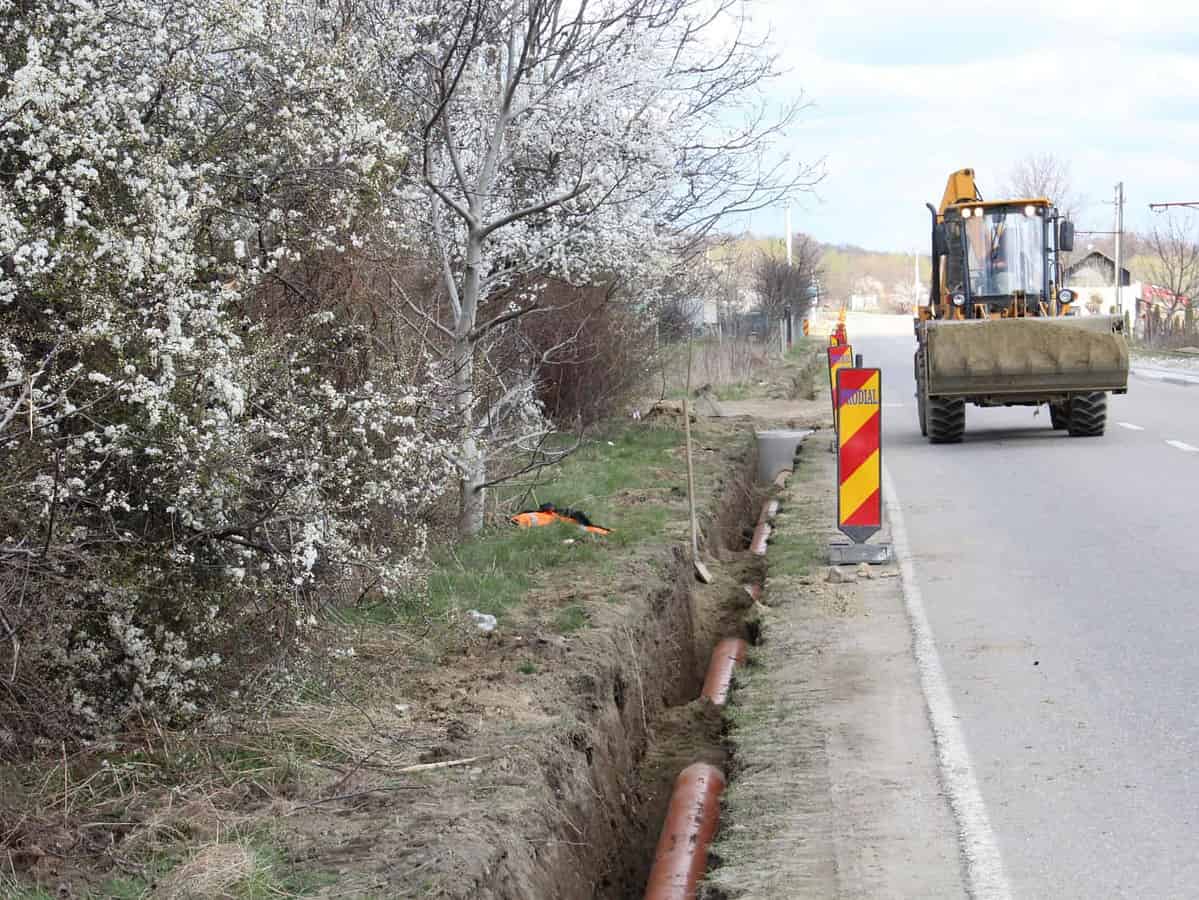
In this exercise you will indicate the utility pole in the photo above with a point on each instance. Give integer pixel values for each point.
(1120, 249)
(787, 300)
(787, 226)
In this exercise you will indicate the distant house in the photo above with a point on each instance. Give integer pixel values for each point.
(1096, 269)
(1151, 309)
(704, 312)
(1160, 310)
(1092, 278)
(866, 292)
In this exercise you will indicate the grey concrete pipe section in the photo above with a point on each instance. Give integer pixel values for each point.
(776, 452)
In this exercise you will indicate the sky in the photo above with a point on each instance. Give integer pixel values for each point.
(901, 94)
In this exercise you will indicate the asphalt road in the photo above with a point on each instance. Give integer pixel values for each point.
(1061, 581)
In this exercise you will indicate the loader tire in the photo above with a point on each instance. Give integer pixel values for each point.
(1059, 415)
(921, 400)
(946, 419)
(1088, 415)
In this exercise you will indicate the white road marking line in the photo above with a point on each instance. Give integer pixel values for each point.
(983, 864)
(1180, 445)
(1130, 426)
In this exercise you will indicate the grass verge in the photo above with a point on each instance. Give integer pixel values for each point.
(615, 479)
(400, 691)
(611, 479)
(764, 720)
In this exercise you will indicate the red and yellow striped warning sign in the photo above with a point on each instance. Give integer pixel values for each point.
(838, 357)
(859, 452)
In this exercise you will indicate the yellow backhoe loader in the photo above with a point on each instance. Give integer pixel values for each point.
(999, 329)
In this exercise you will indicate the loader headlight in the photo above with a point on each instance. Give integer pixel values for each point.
(1065, 295)
(959, 299)
(1030, 210)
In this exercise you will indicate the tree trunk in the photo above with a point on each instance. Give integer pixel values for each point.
(474, 462)
(473, 494)
(473, 465)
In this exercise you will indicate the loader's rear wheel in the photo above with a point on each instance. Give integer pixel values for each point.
(946, 419)
(1088, 415)
(1059, 415)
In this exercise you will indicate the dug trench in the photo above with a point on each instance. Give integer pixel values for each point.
(645, 719)
(546, 761)
(640, 718)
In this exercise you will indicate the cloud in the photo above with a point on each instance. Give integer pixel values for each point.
(905, 94)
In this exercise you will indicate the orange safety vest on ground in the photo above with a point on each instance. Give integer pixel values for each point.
(547, 514)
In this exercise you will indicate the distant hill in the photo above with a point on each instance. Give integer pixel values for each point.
(846, 269)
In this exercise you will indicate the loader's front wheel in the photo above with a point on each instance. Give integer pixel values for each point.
(1088, 415)
(921, 400)
(1059, 415)
(946, 419)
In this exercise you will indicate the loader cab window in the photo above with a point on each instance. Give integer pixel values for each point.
(1005, 253)
(955, 262)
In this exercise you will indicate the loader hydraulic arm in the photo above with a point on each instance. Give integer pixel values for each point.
(960, 188)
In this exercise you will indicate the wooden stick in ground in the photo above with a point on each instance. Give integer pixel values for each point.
(700, 569)
(428, 767)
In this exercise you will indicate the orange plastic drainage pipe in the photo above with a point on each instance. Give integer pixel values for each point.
(728, 654)
(770, 509)
(682, 854)
(757, 546)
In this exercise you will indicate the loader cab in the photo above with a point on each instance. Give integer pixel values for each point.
(998, 257)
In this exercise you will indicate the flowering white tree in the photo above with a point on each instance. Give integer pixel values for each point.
(200, 429)
(575, 141)
(177, 463)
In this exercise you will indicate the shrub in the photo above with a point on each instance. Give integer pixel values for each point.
(182, 483)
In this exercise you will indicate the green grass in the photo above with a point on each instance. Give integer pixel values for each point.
(527, 668)
(270, 877)
(571, 618)
(13, 890)
(139, 887)
(494, 571)
(805, 348)
(797, 548)
(741, 390)
(795, 551)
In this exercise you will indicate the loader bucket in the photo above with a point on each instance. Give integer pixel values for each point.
(1029, 357)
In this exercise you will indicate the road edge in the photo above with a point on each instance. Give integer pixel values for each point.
(981, 861)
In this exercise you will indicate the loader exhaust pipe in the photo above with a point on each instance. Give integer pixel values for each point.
(938, 250)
